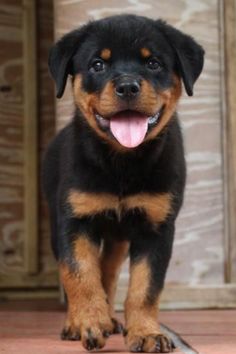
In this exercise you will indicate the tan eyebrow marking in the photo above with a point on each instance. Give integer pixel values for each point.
(106, 54)
(145, 52)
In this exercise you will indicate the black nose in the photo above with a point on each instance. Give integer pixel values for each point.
(127, 89)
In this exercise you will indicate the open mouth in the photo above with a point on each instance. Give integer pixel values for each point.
(129, 127)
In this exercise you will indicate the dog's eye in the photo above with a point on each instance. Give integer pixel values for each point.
(98, 65)
(153, 64)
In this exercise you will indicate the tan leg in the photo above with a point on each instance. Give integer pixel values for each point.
(88, 312)
(142, 327)
(112, 257)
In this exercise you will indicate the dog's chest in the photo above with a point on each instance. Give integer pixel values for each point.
(156, 206)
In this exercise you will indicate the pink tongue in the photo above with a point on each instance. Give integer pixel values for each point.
(129, 128)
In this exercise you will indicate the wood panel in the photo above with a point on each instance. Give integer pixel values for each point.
(229, 90)
(198, 253)
(30, 138)
(46, 107)
(190, 297)
(11, 137)
(27, 262)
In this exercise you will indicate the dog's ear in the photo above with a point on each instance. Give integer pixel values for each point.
(60, 57)
(189, 54)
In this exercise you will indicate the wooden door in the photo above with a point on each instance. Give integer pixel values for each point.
(199, 274)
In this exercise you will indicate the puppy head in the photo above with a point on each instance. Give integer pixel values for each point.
(126, 72)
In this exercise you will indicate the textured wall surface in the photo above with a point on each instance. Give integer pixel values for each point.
(198, 251)
(11, 136)
(46, 124)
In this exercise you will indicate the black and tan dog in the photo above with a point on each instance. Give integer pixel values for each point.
(114, 177)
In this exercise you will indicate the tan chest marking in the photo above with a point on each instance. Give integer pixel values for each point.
(156, 206)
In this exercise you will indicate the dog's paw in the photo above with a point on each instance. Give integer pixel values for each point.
(70, 334)
(95, 336)
(92, 332)
(148, 343)
(117, 326)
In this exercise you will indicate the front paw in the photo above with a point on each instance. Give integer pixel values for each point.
(92, 332)
(70, 333)
(148, 342)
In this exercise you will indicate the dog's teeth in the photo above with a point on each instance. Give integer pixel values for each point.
(104, 122)
(100, 117)
(153, 119)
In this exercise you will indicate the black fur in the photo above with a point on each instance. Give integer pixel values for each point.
(78, 158)
(124, 34)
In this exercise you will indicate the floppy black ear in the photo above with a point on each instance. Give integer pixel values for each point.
(190, 55)
(60, 57)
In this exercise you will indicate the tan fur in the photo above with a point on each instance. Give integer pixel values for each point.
(87, 103)
(141, 317)
(104, 104)
(87, 306)
(107, 104)
(149, 101)
(170, 99)
(105, 54)
(113, 255)
(156, 206)
(84, 203)
(145, 52)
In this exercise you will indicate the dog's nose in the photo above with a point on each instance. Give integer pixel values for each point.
(127, 89)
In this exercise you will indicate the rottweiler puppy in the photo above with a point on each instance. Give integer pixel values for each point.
(114, 177)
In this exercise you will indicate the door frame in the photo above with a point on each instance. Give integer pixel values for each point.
(229, 130)
(31, 259)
